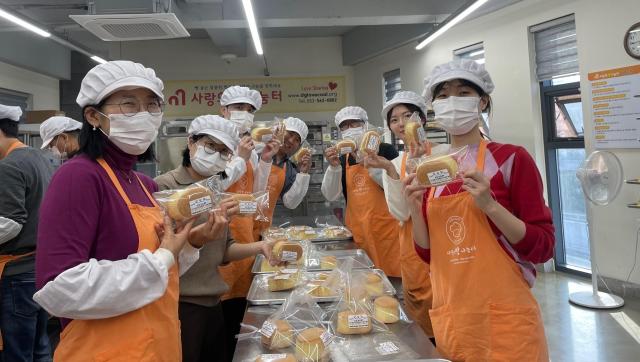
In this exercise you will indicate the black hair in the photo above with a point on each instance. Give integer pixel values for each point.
(186, 156)
(9, 127)
(92, 141)
(411, 107)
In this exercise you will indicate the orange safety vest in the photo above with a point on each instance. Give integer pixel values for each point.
(274, 187)
(368, 218)
(416, 283)
(237, 274)
(150, 333)
(483, 309)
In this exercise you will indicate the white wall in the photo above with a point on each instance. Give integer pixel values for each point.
(517, 115)
(198, 59)
(44, 89)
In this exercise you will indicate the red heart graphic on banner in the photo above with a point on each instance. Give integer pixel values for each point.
(333, 85)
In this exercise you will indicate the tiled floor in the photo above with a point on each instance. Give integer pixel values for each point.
(579, 334)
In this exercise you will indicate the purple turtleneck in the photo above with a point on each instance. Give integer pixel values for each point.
(83, 216)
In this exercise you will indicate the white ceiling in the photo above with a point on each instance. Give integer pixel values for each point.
(223, 22)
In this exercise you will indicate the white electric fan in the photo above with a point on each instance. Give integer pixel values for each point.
(601, 177)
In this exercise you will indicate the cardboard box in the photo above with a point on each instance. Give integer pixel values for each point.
(41, 116)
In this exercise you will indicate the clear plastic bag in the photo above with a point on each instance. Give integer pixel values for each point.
(253, 205)
(305, 149)
(263, 132)
(414, 132)
(437, 170)
(196, 200)
(345, 146)
(296, 328)
(301, 232)
(329, 227)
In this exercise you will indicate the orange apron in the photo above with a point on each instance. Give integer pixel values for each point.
(483, 309)
(237, 274)
(416, 283)
(6, 259)
(151, 333)
(368, 218)
(274, 187)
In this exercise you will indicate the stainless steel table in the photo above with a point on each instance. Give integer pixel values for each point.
(411, 334)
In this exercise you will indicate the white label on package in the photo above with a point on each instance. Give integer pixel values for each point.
(387, 348)
(422, 135)
(358, 321)
(345, 150)
(248, 207)
(282, 277)
(200, 205)
(373, 143)
(289, 271)
(326, 338)
(267, 137)
(272, 357)
(310, 232)
(439, 177)
(267, 329)
(289, 255)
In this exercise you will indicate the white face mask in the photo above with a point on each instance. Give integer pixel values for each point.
(207, 164)
(242, 119)
(353, 133)
(134, 134)
(62, 156)
(457, 115)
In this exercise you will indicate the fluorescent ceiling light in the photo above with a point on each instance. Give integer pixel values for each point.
(16, 20)
(458, 18)
(98, 59)
(253, 27)
(477, 52)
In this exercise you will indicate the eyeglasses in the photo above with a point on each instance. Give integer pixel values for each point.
(211, 148)
(345, 125)
(130, 106)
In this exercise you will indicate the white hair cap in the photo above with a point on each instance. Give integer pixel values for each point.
(10, 112)
(105, 79)
(404, 97)
(298, 126)
(351, 112)
(216, 127)
(56, 125)
(237, 94)
(457, 69)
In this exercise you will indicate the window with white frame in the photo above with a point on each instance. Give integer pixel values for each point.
(474, 52)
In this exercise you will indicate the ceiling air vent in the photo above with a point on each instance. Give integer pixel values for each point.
(125, 27)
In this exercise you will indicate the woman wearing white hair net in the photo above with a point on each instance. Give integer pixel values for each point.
(481, 235)
(416, 285)
(367, 214)
(108, 263)
(210, 144)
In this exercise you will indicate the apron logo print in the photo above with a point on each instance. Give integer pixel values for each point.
(359, 181)
(455, 229)
(244, 182)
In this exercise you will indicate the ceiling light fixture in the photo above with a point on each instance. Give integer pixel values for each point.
(25, 24)
(253, 26)
(449, 24)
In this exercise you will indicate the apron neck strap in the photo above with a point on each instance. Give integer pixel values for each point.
(15, 144)
(118, 185)
(403, 166)
(114, 180)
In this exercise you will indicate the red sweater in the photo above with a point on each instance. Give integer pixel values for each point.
(516, 184)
